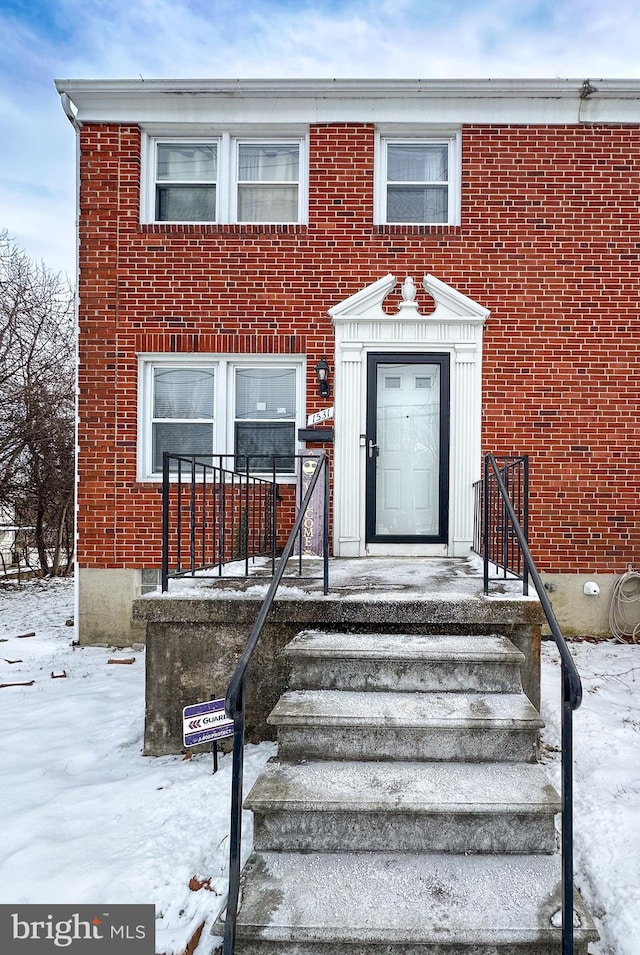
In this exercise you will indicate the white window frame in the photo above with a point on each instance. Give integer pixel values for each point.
(233, 204)
(154, 181)
(227, 173)
(450, 138)
(224, 367)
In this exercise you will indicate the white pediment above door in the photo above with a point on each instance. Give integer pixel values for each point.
(367, 303)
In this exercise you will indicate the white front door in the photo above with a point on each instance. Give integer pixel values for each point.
(407, 448)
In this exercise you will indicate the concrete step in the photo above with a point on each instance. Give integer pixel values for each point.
(403, 662)
(391, 904)
(340, 724)
(405, 807)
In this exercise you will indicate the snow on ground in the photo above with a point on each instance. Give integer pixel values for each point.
(607, 783)
(88, 819)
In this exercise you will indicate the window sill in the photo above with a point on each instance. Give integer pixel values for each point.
(218, 228)
(395, 229)
(156, 479)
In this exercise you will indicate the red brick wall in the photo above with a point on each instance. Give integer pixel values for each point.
(549, 241)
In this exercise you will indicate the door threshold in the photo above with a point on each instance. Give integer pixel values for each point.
(406, 550)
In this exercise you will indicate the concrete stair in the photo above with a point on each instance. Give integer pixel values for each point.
(396, 726)
(414, 807)
(403, 662)
(405, 813)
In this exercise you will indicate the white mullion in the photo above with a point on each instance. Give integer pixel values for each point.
(300, 416)
(380, 180)
(148, 166)
(234, 167)
(303, 179)
(226, 178)
(221, 437)
(455, 178)
(145, 419)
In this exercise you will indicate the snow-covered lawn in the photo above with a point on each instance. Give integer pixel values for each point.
(87, 819)
(607, 783)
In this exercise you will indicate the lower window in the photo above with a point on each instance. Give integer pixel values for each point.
(265, 418)
(182, 412)
(248, 412)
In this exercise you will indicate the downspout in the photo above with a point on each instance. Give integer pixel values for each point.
(69, 111)
(71, 115)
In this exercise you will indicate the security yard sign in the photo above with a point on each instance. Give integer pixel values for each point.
(204, 722)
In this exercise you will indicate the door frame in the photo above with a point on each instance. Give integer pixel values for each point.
(363, 325)
(407, 358)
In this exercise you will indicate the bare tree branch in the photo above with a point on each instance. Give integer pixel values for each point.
(37, 403)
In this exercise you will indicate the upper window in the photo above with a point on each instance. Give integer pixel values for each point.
(247, 410)
(418, 181)
(186, 175)
(268, 176)
(225, 179)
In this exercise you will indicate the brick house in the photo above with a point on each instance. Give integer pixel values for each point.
(469, 245)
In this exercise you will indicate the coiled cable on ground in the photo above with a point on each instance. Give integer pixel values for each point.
(624, 612)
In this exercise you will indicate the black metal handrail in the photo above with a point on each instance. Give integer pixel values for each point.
(571, 687)
(234, 703)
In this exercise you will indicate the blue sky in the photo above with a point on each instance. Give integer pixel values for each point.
(47, 39)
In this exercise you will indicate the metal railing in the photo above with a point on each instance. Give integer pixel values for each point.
(498, 483)
(224, 510)
(492, 520)
(235, 699)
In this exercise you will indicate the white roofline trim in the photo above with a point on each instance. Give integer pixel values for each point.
(168, 101)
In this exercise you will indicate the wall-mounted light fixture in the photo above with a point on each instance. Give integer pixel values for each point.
(322, 371)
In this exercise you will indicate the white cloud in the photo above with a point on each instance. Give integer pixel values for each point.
(288, 38)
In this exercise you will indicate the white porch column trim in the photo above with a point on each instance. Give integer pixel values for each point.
(466, 398)
(348, 385)
(362, 326)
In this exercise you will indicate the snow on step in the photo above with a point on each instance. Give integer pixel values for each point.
(384, 725)
(412, 807)
(386, 899)
(404, 662)
(407, 709)
(450, 787)
(425, 646)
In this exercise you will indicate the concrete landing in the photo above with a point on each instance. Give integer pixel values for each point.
(407, 577)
